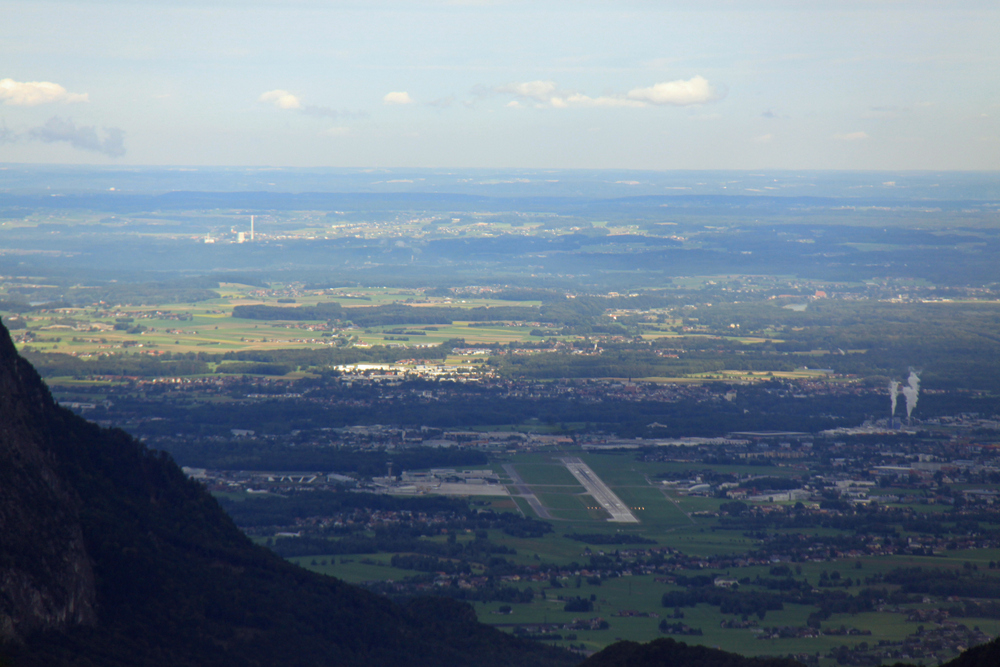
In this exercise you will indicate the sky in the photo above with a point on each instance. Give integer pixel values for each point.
(629, 84)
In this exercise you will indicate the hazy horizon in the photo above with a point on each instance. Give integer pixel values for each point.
(855, 185)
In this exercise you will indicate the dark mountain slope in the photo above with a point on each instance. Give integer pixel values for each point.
(46, 578)
(985, 655)
(667, 652)
(110, 556)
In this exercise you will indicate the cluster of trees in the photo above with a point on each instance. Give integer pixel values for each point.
(285, 509)
(405, 537)
(51, 364)
(450, 513)
(858, 522)
(237, 454)
(582, 316)
(610, 538)
(679, 628)
(579, 604)
(429, 564)
(945, 583)
(67, 294)
(771, 483)
(975, 609)
(388, 315)
(467, 406)
(491, 591)
(398, 540)
(701, 589)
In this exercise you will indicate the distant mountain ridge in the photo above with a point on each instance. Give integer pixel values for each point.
(121, 202)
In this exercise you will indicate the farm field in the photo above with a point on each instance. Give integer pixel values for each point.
(208, 325)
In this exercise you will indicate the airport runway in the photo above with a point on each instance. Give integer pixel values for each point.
(524, 491)
(605, 496)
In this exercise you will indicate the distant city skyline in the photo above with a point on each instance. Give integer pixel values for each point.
(720, 84)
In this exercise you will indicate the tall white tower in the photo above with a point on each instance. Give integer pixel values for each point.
(251, 228)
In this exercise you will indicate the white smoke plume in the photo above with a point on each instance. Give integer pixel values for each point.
(911, 391)
(893, 395)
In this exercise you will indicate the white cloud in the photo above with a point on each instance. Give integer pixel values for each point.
(852, 136)
(397, 97)
(33, 93)
(281, 99)
(763, 139)
(579, 100)
(548, 94)
(696, 90)
(540, 91)
(80, 136)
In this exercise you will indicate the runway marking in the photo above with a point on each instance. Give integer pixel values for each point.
(599, 490)
(524, 491)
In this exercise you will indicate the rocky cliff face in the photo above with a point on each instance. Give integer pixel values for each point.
(46, 577)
